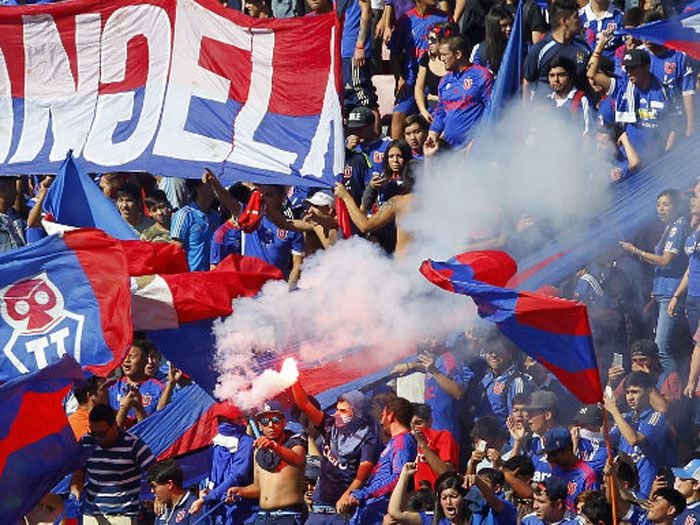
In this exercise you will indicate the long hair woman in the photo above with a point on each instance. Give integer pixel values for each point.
(489, 52)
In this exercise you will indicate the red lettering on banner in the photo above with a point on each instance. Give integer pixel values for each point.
(229, 62)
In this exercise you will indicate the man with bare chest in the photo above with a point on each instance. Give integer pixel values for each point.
(279, 460)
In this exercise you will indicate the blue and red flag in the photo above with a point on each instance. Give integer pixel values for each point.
(553, 331)
(73, 199)
(37, 445)
(64, 295)
(680, 32)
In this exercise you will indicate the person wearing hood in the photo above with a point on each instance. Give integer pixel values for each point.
(231, 466)
(349, 447)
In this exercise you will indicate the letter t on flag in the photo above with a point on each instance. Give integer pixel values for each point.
(553, 331)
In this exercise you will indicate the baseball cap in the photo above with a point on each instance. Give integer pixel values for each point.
(321, 198)
(690, 471)
(556, 438)
(636, 57)
(360, 117)
(590, 415)
(271, 407)
(542, 400)
(554, 487)
(644, 347)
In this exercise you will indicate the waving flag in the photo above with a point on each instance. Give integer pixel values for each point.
(170, 87)
(553, 331)
(63, 295)
(680, 32)
(37, 445)
(509, 77)
(74, 199)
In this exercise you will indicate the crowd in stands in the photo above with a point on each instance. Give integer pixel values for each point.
(496, 439)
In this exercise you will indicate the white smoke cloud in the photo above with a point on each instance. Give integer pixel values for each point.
(353, 295)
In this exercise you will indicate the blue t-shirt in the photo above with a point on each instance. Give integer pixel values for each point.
(577, 479)
(445, 407)
(374, 151)
(483, 514)
(655, 451)
(400, 449)
(592, 450)
(690, 516)
(194, 228)
(179, 513)
(593, 25)
(351, 29)
(268, 242)
(150, 389)
(667, 279)
(544, 51)
(532, 519)
(692, 251)
(500, 391)
(410, 37)
(463, 97)
(674, 71)
(643, 114)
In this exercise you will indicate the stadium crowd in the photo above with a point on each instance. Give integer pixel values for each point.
(496, 439)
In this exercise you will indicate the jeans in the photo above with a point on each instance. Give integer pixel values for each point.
(665, 325)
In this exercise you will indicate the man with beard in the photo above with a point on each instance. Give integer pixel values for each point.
(278, 469)
(349, 449)
(372, 500)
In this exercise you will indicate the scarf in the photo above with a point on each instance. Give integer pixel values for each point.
(345, 441)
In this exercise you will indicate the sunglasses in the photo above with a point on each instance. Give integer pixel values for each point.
(264, 421)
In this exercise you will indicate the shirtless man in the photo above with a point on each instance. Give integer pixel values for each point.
(278, 469)
(392, 210)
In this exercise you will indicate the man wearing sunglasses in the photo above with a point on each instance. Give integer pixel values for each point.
(278, 470)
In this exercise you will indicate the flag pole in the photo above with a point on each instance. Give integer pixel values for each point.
(612, 478)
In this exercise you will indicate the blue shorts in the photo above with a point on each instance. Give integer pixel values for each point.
(407, 104)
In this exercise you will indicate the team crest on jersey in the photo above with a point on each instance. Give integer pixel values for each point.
(669, 68)
(612, 26)
(498, 388)
(180, 516)
(347, 172)
(42, 328)
(580, 57)
(146, 399)
(378, 157)
(690, 520)
(616, 173)
(467, 83)
(281, 234)
(571, 487)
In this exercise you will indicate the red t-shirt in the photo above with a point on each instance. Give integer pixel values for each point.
(447, 449)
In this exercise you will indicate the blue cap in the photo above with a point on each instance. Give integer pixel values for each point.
(271, 407)
(690, 471)
(554, 487)
(556, 438)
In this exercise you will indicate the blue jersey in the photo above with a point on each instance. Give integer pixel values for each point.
(400, 449)
(179, 513)
(594, 24)
(655, 451)
(643, 113)
(410, 37)
(194, 228)
(374, 151)
(351, 30)
(150, 389)
(532, 519)
(356, 171)
(667, 279)
(578, 478)
(273, 245)
(485, 515)
(636, 515)
(692, 251)
(500, 391)
(443, 405)
(690, 516)
(592, 450)
(542, 53)
(463, 96)
(674, 71)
